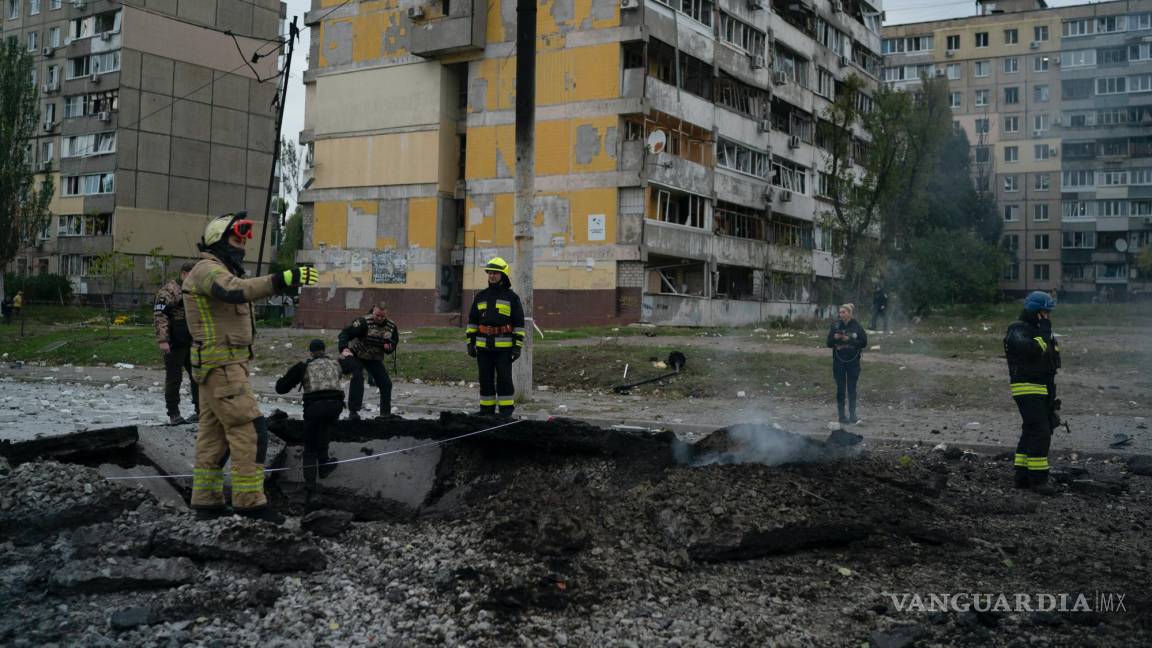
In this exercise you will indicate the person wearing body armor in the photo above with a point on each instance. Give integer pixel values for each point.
(495, 337)
(319, 377)
(1033, 356)
(175, 343)
(847, 339)
(216, 305)
(363, 345)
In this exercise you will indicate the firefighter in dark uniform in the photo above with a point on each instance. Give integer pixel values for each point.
(319, 377)
(495, 338)
(175, 343)
(363, 345)
(1033, 359)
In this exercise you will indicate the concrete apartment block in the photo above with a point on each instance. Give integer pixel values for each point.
(151, 124)
(1057, 103)
(409, 124)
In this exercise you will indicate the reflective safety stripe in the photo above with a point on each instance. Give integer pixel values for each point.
(481, 343)
(1042, 343)
(1029, 389)
(518, 331)
(487, 400)
(247, 483)
(503, 306)
(506, 401)
(1021, 460)
(503, 342)
(208, 479)
(1037, 463)
(482, 306)
(471, 329)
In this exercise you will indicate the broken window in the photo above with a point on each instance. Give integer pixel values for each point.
(741, 35)
(790, 232)
(733, 282)
(695, 75)
(738, 157)
(786, 286)
(794, 66)
(678, 207)
(741, 97)
(672, 276)
(790, 176)
(739, 221)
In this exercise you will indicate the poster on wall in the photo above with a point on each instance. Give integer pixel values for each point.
(596, 227)
(389, 267)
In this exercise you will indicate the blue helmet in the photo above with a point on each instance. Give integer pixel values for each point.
(1038, 300)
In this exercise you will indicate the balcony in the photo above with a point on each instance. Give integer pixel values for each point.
(679, 173)
(669, 100)
(443, 28)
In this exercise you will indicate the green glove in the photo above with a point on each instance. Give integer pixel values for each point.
(302, 276)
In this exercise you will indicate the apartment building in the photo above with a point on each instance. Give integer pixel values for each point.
(1057, 103)
(151, 121)
(678, 167)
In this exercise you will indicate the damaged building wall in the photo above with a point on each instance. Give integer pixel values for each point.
(608, 79)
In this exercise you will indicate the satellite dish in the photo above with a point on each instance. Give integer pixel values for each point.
(1121, 245)
(657, 142)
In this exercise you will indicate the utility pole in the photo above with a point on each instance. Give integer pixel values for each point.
(293, 34)
(525, 184)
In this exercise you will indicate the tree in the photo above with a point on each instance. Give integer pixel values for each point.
(23, 207)
(290, 168)
(945, 268)
(291, 242)
(114, 267)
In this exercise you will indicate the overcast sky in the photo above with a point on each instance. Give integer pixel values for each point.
(898, 12)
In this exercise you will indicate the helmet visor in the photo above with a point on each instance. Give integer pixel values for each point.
(242, 228)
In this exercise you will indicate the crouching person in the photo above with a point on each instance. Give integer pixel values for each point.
(319, 377)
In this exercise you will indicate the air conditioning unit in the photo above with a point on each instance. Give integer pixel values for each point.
(843, 61)
(106, 36)
(764, 125)
(785, 196)
(757, 62)
(48, 126)
(794, 142)
(1034, 45)
(1037, 133)
(95, 78)
(768, 194)
(46, 89)
(629, 4)
(105, 116)
(45, 165)
(950, 53)
(755, 5)
(780, 77)
(416, 13)
(837, 6)
(48, 51)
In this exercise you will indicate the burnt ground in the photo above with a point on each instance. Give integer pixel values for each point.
(538, 539)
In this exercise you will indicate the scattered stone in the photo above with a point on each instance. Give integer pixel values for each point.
(898, 637)
(269, 547)
(1137, 465)
(1095, 487)
(103, 575)
(132, 617)
(327, 522)
(973, 425)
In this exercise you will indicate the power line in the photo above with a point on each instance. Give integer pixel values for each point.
(196, 24)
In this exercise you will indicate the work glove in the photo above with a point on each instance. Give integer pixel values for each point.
(1045, 327)
(472, 349)
(302, 276)
(388, 348)
(515, 354)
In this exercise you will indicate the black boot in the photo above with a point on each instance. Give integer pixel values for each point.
(840, 414)
(506, 411)
(487, 410)
(263, 514)
(852, 418)
(1021, 478)
(212, 512)
(1039, 484)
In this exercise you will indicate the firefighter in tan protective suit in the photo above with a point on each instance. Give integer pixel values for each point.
(216, 305)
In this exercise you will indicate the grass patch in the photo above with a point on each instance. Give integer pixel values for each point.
(131, 344)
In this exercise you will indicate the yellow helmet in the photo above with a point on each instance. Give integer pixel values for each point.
(236, 223)
(496, 264)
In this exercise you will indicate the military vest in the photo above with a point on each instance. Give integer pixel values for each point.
(322, 374)
(371, 346)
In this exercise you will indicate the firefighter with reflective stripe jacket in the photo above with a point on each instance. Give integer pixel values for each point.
(216, 306)
(319, 377)
(363, 345)
(1033, 358)
(495, 338)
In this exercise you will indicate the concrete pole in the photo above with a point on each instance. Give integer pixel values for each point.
(525, 185)
(293, 34)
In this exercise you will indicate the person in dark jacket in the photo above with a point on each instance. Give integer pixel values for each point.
(880, 309)
(1033, 356)
(363, 345)
(847, 340)
(495, 338)
(175, 343)
(319, 377)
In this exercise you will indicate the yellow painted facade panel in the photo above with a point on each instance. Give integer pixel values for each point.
(589, 202)
(377, 160)
(422, 223)
(547, 22)
(330, 224)
(490, 225)
(562, 147)
(562, 76)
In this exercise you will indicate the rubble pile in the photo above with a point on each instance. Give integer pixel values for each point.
(533, 537)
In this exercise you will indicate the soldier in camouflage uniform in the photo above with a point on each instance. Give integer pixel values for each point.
(175, 343)
(363, 345)
(319, 377)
